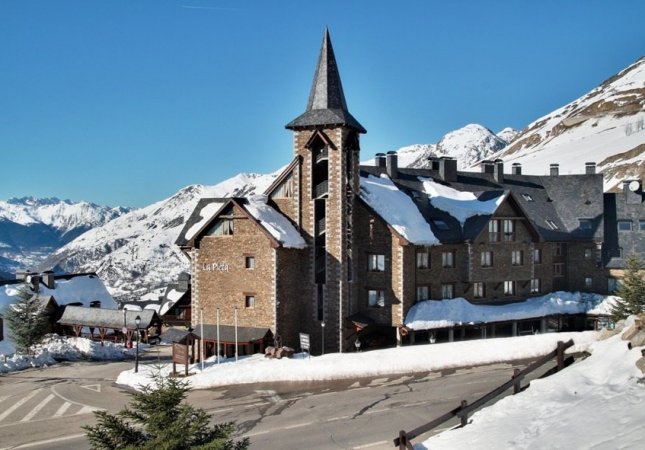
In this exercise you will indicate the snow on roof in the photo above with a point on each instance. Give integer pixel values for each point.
(397, 209)
(174, 295)
(206, 214)
(432, 314)
(275, 223)
(460, 205)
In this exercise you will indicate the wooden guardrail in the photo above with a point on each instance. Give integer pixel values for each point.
(465, 409)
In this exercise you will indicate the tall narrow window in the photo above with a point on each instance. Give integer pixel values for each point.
(517, 257)
(447, 290)
(588, 282)
(588, 253)
(478, 289)
(448, 259)
(559, 249)
(509, 287)
(423, 259)
(493, 230)
(423, 293)
(249, 262)
(535, 285)
(558, 270)
(376, 263)
(537, 255)
(223, 227)
(375, 298)
(486, 259)
(249, 301)
(509, 230)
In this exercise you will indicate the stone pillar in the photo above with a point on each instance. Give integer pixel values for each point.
(514, 333)
(451, 334)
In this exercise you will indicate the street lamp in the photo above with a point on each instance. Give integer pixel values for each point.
(322, 326)
(137, 321)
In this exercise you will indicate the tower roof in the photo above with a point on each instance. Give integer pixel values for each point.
(326, 106)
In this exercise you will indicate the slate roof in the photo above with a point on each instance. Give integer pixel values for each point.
(195, 218)
(537, 197)
(618, 243)
(107, 318)
(326, 105)
(227, 333)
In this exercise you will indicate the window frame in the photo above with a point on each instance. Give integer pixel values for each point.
(537, 256)
(486, 259)
(510, 287)
(448, 259)
(249, 300)
(535, 286)
(479, 289)
(447, 288)
(627, 222)
(419, 293)
(249, 262)
(373, 260)
(517, 258)
(588, 282)
(558, 270)
(509, 230)
(493, 230)
(421, 253)
(379, 298)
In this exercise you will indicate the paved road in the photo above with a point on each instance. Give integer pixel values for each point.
(44, 408)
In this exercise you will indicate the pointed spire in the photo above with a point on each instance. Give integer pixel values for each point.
(326, 105)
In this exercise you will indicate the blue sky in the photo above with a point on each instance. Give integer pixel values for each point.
(124, 102)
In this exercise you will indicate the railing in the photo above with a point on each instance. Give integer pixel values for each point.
(321, 189)
(463, 410)
(321, 226)
(322, 154)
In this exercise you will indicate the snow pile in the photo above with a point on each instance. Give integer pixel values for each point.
(56, 348)
(432, 314)
(596, 403)
(397, 209)
(460, 205)
(417, 358)
(275, 223)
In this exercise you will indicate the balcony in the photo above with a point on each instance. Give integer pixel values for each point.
(321, 189)
(321, 226)
(321, 155)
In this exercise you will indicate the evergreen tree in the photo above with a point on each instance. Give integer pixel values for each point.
(27, 319)
(158, 419)
(631, 291)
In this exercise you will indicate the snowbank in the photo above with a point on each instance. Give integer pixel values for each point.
(417, 358)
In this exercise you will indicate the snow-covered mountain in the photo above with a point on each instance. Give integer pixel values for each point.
(606, 126)
(469, 145)
(135, 252)
(32, 228)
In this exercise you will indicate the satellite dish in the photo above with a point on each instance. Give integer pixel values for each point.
(634, 186)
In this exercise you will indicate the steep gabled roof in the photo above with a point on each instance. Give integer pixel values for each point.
(326, 106)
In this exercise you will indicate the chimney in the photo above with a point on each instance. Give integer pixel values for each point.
(392, 164)
(434, 162)
(633, 191)
(498, 171)
(516, 169)
(554, 170)
(487, 166)
(48, 279)
(448, 169)
(379, 159)
(590, 168)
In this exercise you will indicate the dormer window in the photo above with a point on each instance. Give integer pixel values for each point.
(624, 225)
(223, 227)
(527, 197)
(440, 224)
(584, 224)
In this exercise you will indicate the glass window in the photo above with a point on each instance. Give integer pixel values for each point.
(478, 289)
(588, 282)
(447, 290)
(448, 259)
(249, 262)
(249, 301)
(558, 270)
(487, 259)
(376, 263)
(223, 227)
(375, 298)
(585, 224)
(509, 230)
(493, 230)
(535, 285)
(423, 293)
(423, 259)
(559, 249)
(537, 255)
(588, 253)
(624, 225)
(509, 287)
(440, 224)
(641, 225)
(517, 257)
(612, 285)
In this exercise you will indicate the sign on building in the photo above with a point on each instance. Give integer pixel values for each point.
(304, 341)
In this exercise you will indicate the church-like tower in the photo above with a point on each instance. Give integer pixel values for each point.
(326, 139)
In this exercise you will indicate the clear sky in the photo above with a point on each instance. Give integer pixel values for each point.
(124, 102)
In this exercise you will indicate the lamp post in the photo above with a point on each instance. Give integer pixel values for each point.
(137, 321)
(322, 329)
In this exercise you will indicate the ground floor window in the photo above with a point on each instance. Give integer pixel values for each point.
(479, 290)
(375, 298)
(535, 285)
(509, 287)
(447, 290)
(588, 282)
(558, 270)
(423, 293)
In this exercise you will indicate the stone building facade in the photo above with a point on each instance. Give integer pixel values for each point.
(326, 252)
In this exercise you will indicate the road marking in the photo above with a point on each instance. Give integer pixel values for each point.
(373, 444)
(35, 411)
(49, 441)
(18, 404)
(63, 408)
(93, 387)
(87, 410)
(4, 397)
(290, 427)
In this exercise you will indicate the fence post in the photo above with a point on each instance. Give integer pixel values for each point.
(464, 417)
(403, 440)
(560, 355)
(518, 382)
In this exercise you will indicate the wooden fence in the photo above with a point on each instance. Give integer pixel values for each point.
(464, 409)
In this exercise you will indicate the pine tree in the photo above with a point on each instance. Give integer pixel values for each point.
(159, 419)
(28, 321)
(631, 291)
